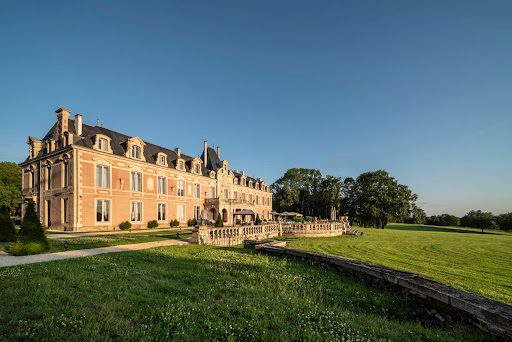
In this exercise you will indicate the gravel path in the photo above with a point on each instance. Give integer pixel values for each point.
(65, 235)
(8, 260)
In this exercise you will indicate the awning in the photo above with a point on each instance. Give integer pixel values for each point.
(246, 212)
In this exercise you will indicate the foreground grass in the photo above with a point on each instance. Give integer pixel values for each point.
(479, 263)
(85, 242)
(199, 293)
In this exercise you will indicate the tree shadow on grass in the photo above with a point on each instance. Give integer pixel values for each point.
(436, 229)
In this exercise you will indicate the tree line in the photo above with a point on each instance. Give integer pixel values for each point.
(474, 219)
(371, 200)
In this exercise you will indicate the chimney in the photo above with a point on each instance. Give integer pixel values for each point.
(68, 138)
(178, 151)
(78, 124)
(205, 153)
(62, 121)
(218, 152)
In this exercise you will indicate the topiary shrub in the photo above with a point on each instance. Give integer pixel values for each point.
(31, 238)
(299, 219)
(308, 219)
(175, 223)
(258, 220)
(153, 224)
(192, 223)
(7, 229)
(219, 222)
(125, 225)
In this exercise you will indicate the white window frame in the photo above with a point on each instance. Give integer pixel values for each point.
(136, 207)
(181, 188)
(197, 212)
(197, 168)
(235, 194)
(134, 181)
(225, 193)
(161, 160)
(102, 144)
(136, 151)
(162, 185)
(161, 214)
(197, 190)
(106, 208)
(181, 215)
(104, 180)
(212, 192)
(181, 165)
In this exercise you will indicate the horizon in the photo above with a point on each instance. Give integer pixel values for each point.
(419, 90)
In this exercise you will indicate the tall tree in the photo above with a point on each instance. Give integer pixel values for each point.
(7, 229)
(375, 198)
(10, 185)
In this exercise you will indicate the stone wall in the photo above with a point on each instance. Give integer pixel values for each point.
(493, 316)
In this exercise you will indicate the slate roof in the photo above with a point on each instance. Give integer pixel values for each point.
(118, 145)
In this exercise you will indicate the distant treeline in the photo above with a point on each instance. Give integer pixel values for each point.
(474, 219)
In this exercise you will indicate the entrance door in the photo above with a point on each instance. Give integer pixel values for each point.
(224, 215)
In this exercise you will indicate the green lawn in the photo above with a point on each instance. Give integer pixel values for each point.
(57, 245)
(479, 263)
(199, 293)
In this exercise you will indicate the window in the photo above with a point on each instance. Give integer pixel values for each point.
(136, 212)
(243, 196)
(102, 144)
(162, 212)
(64, 210)
(48, 177)
(162, 185)
(226, 194)
(136, 152)
(161, 160)
(32, 180)
(102, 176)
(197, 190)
(136, 181)
(235, 194)
(102, 211)
(250, 198)
(181, 188)
(257, 200)
(181, 212)
(212, 192)
(197, 169)
(181, 165)
(197, 212)
(66, 174)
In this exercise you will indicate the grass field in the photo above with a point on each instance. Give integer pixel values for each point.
(198, 293)
(479, 263)
(75, 243)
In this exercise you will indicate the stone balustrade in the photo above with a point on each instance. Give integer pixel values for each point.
(231, 236)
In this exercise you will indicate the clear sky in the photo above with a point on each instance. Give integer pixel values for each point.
(422, 89)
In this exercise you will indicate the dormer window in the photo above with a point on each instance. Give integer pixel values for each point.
(102, 144)
(235, 181)
(136, 152)
(197, 169)
(181, 165)
(161, 160)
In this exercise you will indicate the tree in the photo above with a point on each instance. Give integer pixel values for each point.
(443, 220)
(375, 198)
(219, 222)
(7, 229)
(10, 185)
(31, 237)
(258, 220)
(504, 221)
(479, 219)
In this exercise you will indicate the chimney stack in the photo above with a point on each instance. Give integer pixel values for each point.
(78, 124)
(178, 151)
(218, 152)
(62, 121)
(205, 153)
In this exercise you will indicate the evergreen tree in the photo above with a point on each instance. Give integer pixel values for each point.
(258, 220)
(219, 222)
(7, 229)
(31, 228)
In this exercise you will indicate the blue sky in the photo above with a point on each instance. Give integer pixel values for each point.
(420, 89)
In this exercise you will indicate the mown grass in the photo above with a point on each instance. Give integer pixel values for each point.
(199, 293)
(479, 263)
(84, 242)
